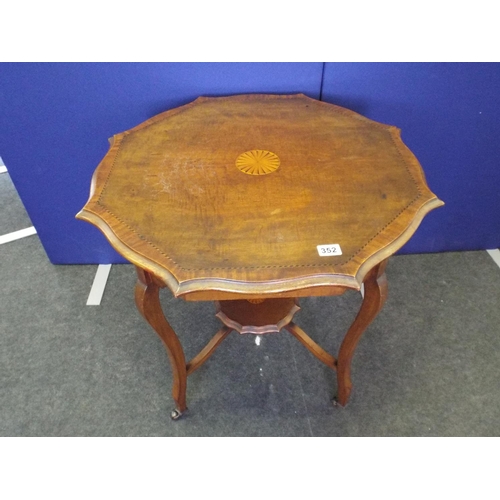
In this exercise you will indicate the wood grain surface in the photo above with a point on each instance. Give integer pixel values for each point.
(170, 197)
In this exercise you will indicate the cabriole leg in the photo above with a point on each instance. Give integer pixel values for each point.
(147, 298)
(375, 294)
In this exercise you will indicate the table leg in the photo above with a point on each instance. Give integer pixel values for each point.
(375, 294)
(147, 299)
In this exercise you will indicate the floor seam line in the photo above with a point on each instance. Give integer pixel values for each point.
(17, 235)
(98, 285)
(495, 255)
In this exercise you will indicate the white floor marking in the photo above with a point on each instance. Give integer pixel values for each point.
(99, 284)
(3, 169)
(16, 235)
(495, 255)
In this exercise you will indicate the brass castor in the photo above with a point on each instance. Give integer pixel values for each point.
(175, 414)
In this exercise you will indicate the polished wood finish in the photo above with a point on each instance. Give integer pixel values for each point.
(312, 346)
(227, 199)
(257, 316)
(375, 295)
(147, 299)
(311, 291)
(171, 199)
(208, 350)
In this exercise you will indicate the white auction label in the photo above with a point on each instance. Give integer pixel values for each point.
(329, 250)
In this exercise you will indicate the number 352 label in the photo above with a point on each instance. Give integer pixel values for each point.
(329, 250)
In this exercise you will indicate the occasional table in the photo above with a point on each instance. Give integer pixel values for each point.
(253, 201)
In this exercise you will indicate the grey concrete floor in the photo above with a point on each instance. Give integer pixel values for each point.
(429, 365)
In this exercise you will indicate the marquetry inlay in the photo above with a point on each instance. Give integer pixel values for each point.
(258, 162)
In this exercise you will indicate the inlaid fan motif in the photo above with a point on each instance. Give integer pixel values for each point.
(258, 162)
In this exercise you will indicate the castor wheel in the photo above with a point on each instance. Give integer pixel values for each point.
(175, 414)
(336, 402)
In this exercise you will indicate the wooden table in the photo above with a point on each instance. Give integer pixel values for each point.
(253, 201)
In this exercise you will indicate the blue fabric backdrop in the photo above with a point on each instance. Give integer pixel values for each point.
(55, 120)
(450, 118)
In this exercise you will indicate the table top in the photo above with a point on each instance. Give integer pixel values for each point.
(258, 195)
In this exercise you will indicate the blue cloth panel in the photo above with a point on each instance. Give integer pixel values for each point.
(449, 114)
(56, 118)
